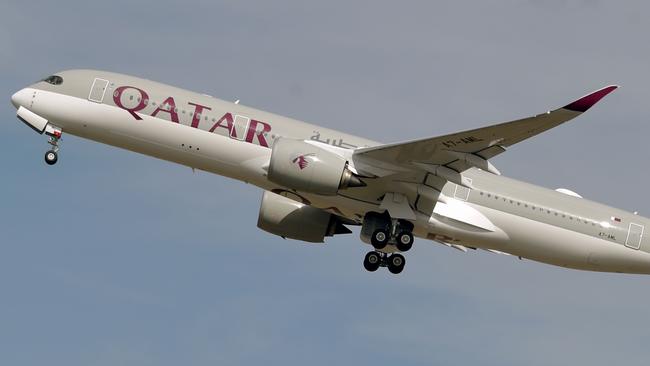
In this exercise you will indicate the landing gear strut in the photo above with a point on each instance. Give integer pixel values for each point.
(395, 262)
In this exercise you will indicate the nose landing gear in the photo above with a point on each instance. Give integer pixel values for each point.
(54, 135)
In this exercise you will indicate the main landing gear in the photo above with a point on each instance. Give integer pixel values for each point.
(52, 156)
(386, 235)
(395, 262)
(403, 240)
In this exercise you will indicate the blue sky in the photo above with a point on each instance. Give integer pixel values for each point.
(113, 258)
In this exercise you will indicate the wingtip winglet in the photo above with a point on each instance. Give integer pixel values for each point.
(586, 102)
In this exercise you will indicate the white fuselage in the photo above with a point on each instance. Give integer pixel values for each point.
(521, 219)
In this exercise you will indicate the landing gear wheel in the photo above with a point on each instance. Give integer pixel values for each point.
(51, 157)
(379, 239)
(396, 263)
(372, 261)
(404, 241)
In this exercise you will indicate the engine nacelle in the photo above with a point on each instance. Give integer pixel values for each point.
(290, 219)
(304, 167)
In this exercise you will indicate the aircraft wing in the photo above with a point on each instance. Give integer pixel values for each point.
(449, 155)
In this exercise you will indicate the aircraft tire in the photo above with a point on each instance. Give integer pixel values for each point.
(51, 157)
(404, 241)
(396, 263)
(371, 261)
(379, 239)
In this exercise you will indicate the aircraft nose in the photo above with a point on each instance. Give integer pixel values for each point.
(20, 98)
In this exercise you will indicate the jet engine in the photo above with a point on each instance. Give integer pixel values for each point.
(304, 167)
(290, 219)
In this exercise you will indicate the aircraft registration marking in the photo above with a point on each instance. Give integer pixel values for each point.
(462, 141)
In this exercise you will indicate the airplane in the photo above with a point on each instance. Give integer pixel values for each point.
(318, 182)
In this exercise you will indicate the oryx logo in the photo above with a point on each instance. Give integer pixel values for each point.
(301, 160)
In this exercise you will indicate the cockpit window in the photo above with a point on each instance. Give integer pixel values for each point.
(54, 80)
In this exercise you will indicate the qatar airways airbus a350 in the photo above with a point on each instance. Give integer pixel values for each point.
(316, 182)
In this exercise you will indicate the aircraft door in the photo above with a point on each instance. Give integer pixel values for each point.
(240, 127)
(98, 90)
(462, 193)
(634, 236)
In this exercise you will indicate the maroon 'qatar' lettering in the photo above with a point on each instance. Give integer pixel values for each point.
(117, 99)
(168, 106)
